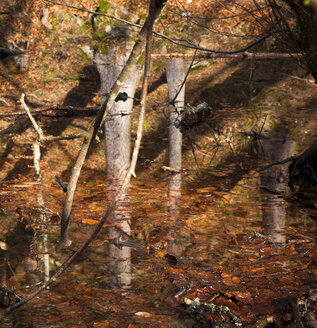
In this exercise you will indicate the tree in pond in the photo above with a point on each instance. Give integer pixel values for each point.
(155, 9)
(119, 43)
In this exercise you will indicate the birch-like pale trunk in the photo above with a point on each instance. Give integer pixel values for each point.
(175, 74)
(118, 120)
(118, 154)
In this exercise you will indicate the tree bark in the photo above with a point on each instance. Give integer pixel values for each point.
(175, 74)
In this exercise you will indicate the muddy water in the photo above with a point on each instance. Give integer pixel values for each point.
(254, 240)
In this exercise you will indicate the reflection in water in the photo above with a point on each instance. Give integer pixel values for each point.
(174, 196)
(119, 255)
(273, 184)
(44, 246)
(18, 252)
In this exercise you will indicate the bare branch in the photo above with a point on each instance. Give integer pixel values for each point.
(36, 127)
(242, 55)
(94, 13)
(42, 137)
(66, 137)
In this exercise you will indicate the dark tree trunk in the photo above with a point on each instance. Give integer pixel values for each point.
(307, 32)
(303, 170)
(273, 183)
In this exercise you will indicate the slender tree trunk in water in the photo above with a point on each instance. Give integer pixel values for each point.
(175, 74)
(118, 137)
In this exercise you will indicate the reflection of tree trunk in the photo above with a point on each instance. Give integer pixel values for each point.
(174, 195)
(175, 74)
(273, 182)
(120, 256)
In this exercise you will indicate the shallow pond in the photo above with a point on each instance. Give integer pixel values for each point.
(241, 245)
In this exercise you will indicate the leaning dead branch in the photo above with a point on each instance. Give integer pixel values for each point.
(41, 136)
(153, 14)
(36, 127)
(286, 160)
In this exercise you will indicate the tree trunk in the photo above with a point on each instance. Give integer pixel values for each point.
(175, 74)
(118, 120)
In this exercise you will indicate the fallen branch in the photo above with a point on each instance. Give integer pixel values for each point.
(42, 137)
(72, 109)
(36, 127)
(172, 170)
(242, 55)
(289, 159)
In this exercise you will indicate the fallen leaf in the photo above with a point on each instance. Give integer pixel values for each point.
(143, 314)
